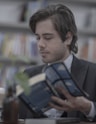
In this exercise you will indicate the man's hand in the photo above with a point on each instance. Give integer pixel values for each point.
(71, 103)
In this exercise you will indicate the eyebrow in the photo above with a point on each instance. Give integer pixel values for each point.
(46, 34)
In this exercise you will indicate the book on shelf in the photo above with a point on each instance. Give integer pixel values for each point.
(43, 86)
(10, 66)
(87, 49)
(18, 44)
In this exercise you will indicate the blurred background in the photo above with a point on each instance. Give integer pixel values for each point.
(16, 37)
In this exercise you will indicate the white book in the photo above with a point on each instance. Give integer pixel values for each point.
(53, 121)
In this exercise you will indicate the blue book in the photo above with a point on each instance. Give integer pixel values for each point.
(43, 86)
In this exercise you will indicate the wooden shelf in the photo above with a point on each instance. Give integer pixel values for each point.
(16, 61)
(23, 28)
(15, 27)
(87, 32)
(82, 1)
(85, 3)
(20, 27)
(17, 0)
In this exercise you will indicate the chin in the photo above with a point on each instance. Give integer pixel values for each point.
(47, 61)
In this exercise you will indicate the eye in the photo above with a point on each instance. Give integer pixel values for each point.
(37, 37)
(48, 37)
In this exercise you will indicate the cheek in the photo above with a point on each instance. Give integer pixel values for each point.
(59, 47)
(58, 50)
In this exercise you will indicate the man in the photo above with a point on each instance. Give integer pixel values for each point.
(56, 34)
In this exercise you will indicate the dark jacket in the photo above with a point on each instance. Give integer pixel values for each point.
(85, 75)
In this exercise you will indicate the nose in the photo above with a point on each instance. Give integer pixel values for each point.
(41, 43)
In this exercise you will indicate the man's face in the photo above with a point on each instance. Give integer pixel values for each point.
(51, 46)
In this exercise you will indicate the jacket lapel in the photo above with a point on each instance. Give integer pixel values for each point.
(79, 70)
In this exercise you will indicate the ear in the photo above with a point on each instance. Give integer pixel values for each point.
(69, 38)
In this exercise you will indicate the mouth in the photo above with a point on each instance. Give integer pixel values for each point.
(44, 53)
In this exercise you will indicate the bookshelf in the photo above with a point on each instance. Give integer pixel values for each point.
(87, 33)
(89, 3)
(15, 27)
(15, 32)
(24, 27)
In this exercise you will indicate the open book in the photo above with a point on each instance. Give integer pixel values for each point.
(43, 86)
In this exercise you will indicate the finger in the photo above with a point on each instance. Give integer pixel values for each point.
(59, 101)
(57, 107)
(65, 93)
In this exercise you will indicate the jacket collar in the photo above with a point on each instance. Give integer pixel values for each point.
(79, 71)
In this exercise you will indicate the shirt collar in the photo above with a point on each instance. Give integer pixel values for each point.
(68, 62)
